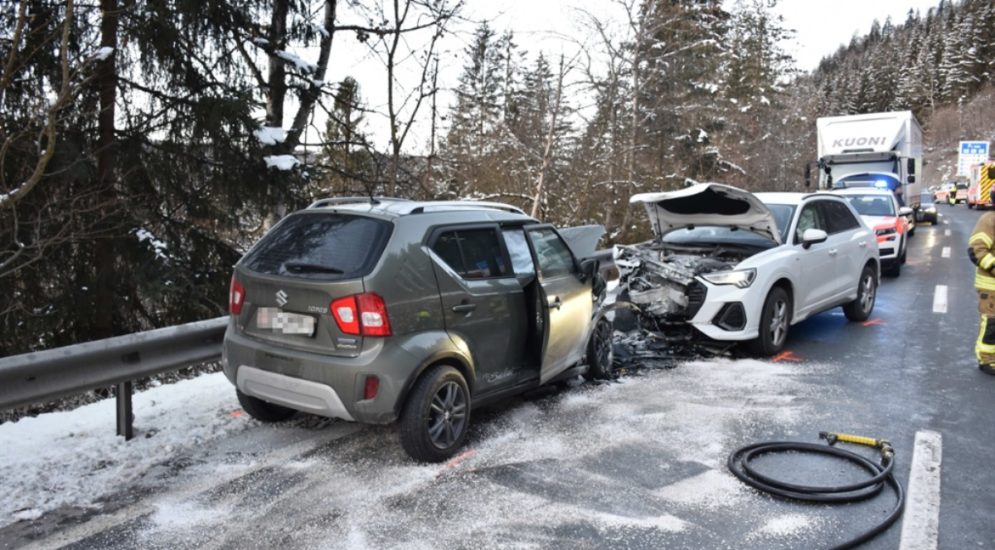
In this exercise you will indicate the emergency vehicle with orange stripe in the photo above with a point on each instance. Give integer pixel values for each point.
(979, 193)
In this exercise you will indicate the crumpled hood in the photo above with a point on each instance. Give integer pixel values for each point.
(708, 204)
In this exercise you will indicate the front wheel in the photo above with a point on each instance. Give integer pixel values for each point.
(600, 356)
(861, 308)
(775, 319)
(436, 415)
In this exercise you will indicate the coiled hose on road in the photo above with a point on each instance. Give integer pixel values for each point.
(881, 474)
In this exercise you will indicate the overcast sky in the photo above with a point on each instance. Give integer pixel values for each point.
(558, 27)
(822, 26)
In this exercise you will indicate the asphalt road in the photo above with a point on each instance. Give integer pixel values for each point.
(634, 464)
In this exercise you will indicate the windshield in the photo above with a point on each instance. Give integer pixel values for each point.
(872, 205)
(713, 234)
(782, 217)
(878, 181)
(926, 199)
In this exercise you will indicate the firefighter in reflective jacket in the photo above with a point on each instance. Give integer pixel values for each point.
(982, 253)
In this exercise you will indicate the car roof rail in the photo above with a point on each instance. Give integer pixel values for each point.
(440, 206)
(336, 201)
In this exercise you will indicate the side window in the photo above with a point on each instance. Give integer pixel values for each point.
(838, 217)
(472, 253)
(552, 254)
(521, 256)
(809, 218)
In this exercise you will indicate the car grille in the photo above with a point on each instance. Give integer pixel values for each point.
(696, 298)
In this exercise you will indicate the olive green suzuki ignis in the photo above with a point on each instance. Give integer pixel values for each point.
(378, 310)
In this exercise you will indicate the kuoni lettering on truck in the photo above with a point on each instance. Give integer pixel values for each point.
(881, 150)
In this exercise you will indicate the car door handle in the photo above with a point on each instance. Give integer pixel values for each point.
(464, 308)
(834, 252)
(556, 303)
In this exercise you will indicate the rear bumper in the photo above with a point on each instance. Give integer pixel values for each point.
(310, 397)
(321, 384)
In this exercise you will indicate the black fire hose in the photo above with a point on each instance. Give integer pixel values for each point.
(739, 465)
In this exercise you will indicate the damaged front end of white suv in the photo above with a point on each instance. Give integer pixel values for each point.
(702, 235)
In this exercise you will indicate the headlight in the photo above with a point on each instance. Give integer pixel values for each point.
(742, 278)
(885, 231)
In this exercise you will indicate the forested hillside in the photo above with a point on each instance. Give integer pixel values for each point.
(146, 144)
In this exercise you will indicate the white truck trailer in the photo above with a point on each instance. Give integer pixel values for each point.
(882, 150)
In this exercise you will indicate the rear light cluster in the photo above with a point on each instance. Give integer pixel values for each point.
(236, 297)
(361, 315)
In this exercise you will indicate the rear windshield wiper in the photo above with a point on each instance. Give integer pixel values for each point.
(304, 267)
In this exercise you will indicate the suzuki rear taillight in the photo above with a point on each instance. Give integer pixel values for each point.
(346, 315)
(373, 315)
(361, 315)
(236, 296)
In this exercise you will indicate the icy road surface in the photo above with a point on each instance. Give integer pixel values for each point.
(637, 463)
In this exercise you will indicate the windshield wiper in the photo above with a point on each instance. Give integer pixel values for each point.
(304, 267)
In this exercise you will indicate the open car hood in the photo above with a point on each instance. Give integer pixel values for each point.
(708, 204)
(582, 239)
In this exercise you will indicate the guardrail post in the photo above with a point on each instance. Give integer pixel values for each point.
(125, 419)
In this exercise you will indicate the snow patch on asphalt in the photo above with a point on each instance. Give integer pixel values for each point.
(711, 489)
(540, 468)
(785, 525)
(72, 458)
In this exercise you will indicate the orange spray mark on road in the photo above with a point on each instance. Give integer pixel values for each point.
(786, 356)
(873, 322)
(456, 461)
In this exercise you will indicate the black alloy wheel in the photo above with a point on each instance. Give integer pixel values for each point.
(436, 415)
(600, 355)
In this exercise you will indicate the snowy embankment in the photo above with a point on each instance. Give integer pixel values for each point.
(72, 458)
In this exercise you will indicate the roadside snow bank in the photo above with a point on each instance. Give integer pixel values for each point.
(72, 458)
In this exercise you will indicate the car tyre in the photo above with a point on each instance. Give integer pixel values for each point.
(600, 355)
(893, 269)
(860, 309)
(436, 415)
(263, 411)
(775, 320)
(905, 252)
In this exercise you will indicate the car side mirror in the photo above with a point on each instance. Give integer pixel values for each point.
(588, 269)
(813, 236)
(912, 178)
(905, 211)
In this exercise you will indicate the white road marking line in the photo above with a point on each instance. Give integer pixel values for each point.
(945, 253)
(921, 522)
(940, 299)
(947, 233)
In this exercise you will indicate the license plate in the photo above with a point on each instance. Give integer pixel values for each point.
(284, 322)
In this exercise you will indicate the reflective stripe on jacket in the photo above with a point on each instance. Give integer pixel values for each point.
(981, 241)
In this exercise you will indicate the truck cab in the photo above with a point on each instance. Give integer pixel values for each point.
(879, 150)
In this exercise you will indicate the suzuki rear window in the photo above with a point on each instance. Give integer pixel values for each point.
(320, 246)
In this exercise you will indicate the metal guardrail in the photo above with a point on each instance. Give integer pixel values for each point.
(51, 374)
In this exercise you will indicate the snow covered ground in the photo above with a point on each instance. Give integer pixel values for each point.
(638, 463)
(71, 458)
